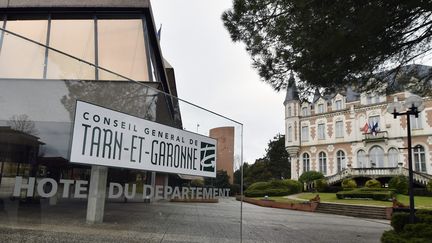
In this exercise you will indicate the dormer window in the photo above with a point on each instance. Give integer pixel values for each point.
(320, 108)
(338, 105)
(305, 111)
(369, 99)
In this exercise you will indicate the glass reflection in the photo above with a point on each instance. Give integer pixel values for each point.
(121, 48)
(74, 37)
(19, 59)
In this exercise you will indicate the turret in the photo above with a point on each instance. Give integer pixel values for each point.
(292, 124)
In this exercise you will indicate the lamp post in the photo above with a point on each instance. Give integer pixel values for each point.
(413, 106)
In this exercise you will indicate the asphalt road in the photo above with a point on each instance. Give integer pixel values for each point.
(180, 222)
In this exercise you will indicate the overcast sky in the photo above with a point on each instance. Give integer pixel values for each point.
(216, 73)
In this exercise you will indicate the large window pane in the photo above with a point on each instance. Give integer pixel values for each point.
(377, 156)
(21, 59)
(74, 37)
(121, 48)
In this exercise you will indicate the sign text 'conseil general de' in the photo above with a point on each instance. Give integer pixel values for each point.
(105, 137)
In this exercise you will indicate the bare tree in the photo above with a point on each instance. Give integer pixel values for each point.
(23, 123)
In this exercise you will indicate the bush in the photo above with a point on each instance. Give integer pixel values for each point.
(399, 220)
(349, 184)
(321, 185)
(391, 237)
(310, 176)
(294, 186)
(399, 184)
(429, 186)
(259, 186)
(379, 195)
(409, 233)
(197, 183)
(234, 189)
(372, 183)
(274, 188)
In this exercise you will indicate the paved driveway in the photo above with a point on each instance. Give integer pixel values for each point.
(181, 222)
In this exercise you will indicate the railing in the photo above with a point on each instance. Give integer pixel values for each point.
(369, 137)
(418, 177)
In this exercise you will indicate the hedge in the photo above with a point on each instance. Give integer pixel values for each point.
(379, 195)
(349, 184)
(274, 188)
(403, 232)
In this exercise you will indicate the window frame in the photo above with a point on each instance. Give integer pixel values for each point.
(339, 129)
(306, 162)
(321, 129)
(322, 162)
(419, 157)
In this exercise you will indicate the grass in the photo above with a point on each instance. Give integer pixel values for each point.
(420, 202)
(282, 199)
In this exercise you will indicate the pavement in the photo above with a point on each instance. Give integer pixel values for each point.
(180, 222)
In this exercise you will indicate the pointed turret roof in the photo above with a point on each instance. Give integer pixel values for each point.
(292, 92)
(317, 95)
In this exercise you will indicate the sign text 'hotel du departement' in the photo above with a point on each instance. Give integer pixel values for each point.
(105, 137)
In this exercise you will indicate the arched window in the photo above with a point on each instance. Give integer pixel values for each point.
(393, 157)
(290, 134)
(376, 156)
(361, 159)
(322, 159)
(419, 158)
(289, 111)
(340, 159)
(306, 162)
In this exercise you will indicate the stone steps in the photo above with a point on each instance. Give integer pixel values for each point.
(353, 210)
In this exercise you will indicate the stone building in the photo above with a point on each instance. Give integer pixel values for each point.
(348, 129)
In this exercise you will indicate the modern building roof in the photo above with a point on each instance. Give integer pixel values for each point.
(75, 3)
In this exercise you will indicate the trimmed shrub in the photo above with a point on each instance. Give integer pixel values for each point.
(274, 188)
(379, 195)
(409, 233)
(399, 220)
(259, 186)
(310, 176)
(421, 231)
(321, 185)
(390, 236)
(373, 184)
(294, 186)
(399, 184)
(429, 186)
(349, 184)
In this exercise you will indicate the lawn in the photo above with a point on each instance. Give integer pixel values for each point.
(282, 199)
(420, 202)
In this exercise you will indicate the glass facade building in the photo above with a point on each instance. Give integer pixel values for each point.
(106, 53)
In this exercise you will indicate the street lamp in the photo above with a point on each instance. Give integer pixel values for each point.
(413, 106)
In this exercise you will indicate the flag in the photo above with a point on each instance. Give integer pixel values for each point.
(374, 129)
(365, 128)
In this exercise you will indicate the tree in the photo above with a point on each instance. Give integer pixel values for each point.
(22, 123)
(329, 42)
(221, 180)
(278, 158)
(274, 165)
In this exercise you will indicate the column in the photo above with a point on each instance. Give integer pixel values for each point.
(96, 195)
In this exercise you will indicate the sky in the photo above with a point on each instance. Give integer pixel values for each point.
(215, 73)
